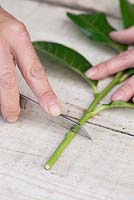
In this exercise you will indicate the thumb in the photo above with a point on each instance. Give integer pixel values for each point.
(124, 36)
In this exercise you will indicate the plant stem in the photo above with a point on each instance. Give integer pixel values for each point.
(99, 97)
(65, 142)
(74, 130)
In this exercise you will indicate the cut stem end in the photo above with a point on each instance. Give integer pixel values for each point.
(47, 167)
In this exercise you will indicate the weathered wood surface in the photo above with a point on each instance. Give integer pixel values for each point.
(107, 6)
(98, 170)
(102, 169)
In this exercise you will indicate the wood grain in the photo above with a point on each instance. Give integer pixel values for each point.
(102, 169)
(98, 170)
(111, 8)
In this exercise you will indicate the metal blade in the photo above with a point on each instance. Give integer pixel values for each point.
(62, 120)
(67, 123)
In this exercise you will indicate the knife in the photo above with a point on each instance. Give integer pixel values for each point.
(62, 119)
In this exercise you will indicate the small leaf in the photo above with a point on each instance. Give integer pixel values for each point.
(127, 12)
(97, 28)
(115, 104)
(119, 104)
(67, 57)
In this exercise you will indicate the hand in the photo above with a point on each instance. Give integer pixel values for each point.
(16, 48)
(120, 62)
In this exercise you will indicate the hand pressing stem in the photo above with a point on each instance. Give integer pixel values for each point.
(74, 130)
(123, 61)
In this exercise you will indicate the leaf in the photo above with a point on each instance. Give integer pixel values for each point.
(97, 28)
(115, 104)
(119, 104)
(67, 57)
(127, 12)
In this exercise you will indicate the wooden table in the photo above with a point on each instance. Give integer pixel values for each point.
(98, 170)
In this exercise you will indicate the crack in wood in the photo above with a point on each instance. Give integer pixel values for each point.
(23, 97)
(112, 129)
(23, 152)
(106, 127)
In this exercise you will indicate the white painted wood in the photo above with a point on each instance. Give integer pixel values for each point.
(109, 7)
(102, 169)
(56, 27)
(99, 170)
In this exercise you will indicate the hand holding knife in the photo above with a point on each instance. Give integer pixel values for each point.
(61, 120)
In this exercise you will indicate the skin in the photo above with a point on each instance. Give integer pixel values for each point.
(16, 50)
(118, 63)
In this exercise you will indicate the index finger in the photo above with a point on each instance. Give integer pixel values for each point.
(118, 63)
(34, 74)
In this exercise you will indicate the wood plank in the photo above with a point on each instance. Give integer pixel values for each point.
(98, 170)
(108, 7)
(76, 100)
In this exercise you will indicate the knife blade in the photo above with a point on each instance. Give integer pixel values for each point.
(62, 119)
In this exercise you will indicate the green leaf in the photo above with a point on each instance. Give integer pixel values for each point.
(127, 12)
(97, 28)
(119, 104)
(115, 104)
(67, 57)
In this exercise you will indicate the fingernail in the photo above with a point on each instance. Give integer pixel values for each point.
(91, 73)
(12, 119)
(117, 96)
(54, 109)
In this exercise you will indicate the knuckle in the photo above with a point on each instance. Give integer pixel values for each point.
(18, 28)
(47, 92)
(130, 83)
(36, 71)
(128, 87)
(122, 91)
(127, 55)
(12, 110)
(8, 79)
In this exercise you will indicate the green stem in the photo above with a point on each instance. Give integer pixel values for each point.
(65, 142)
(99, 97)
(71, 134)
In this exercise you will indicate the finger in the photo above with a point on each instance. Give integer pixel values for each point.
(118, 63)
(9, 92)
(124, 36)
(34, 74)
(125, 92)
